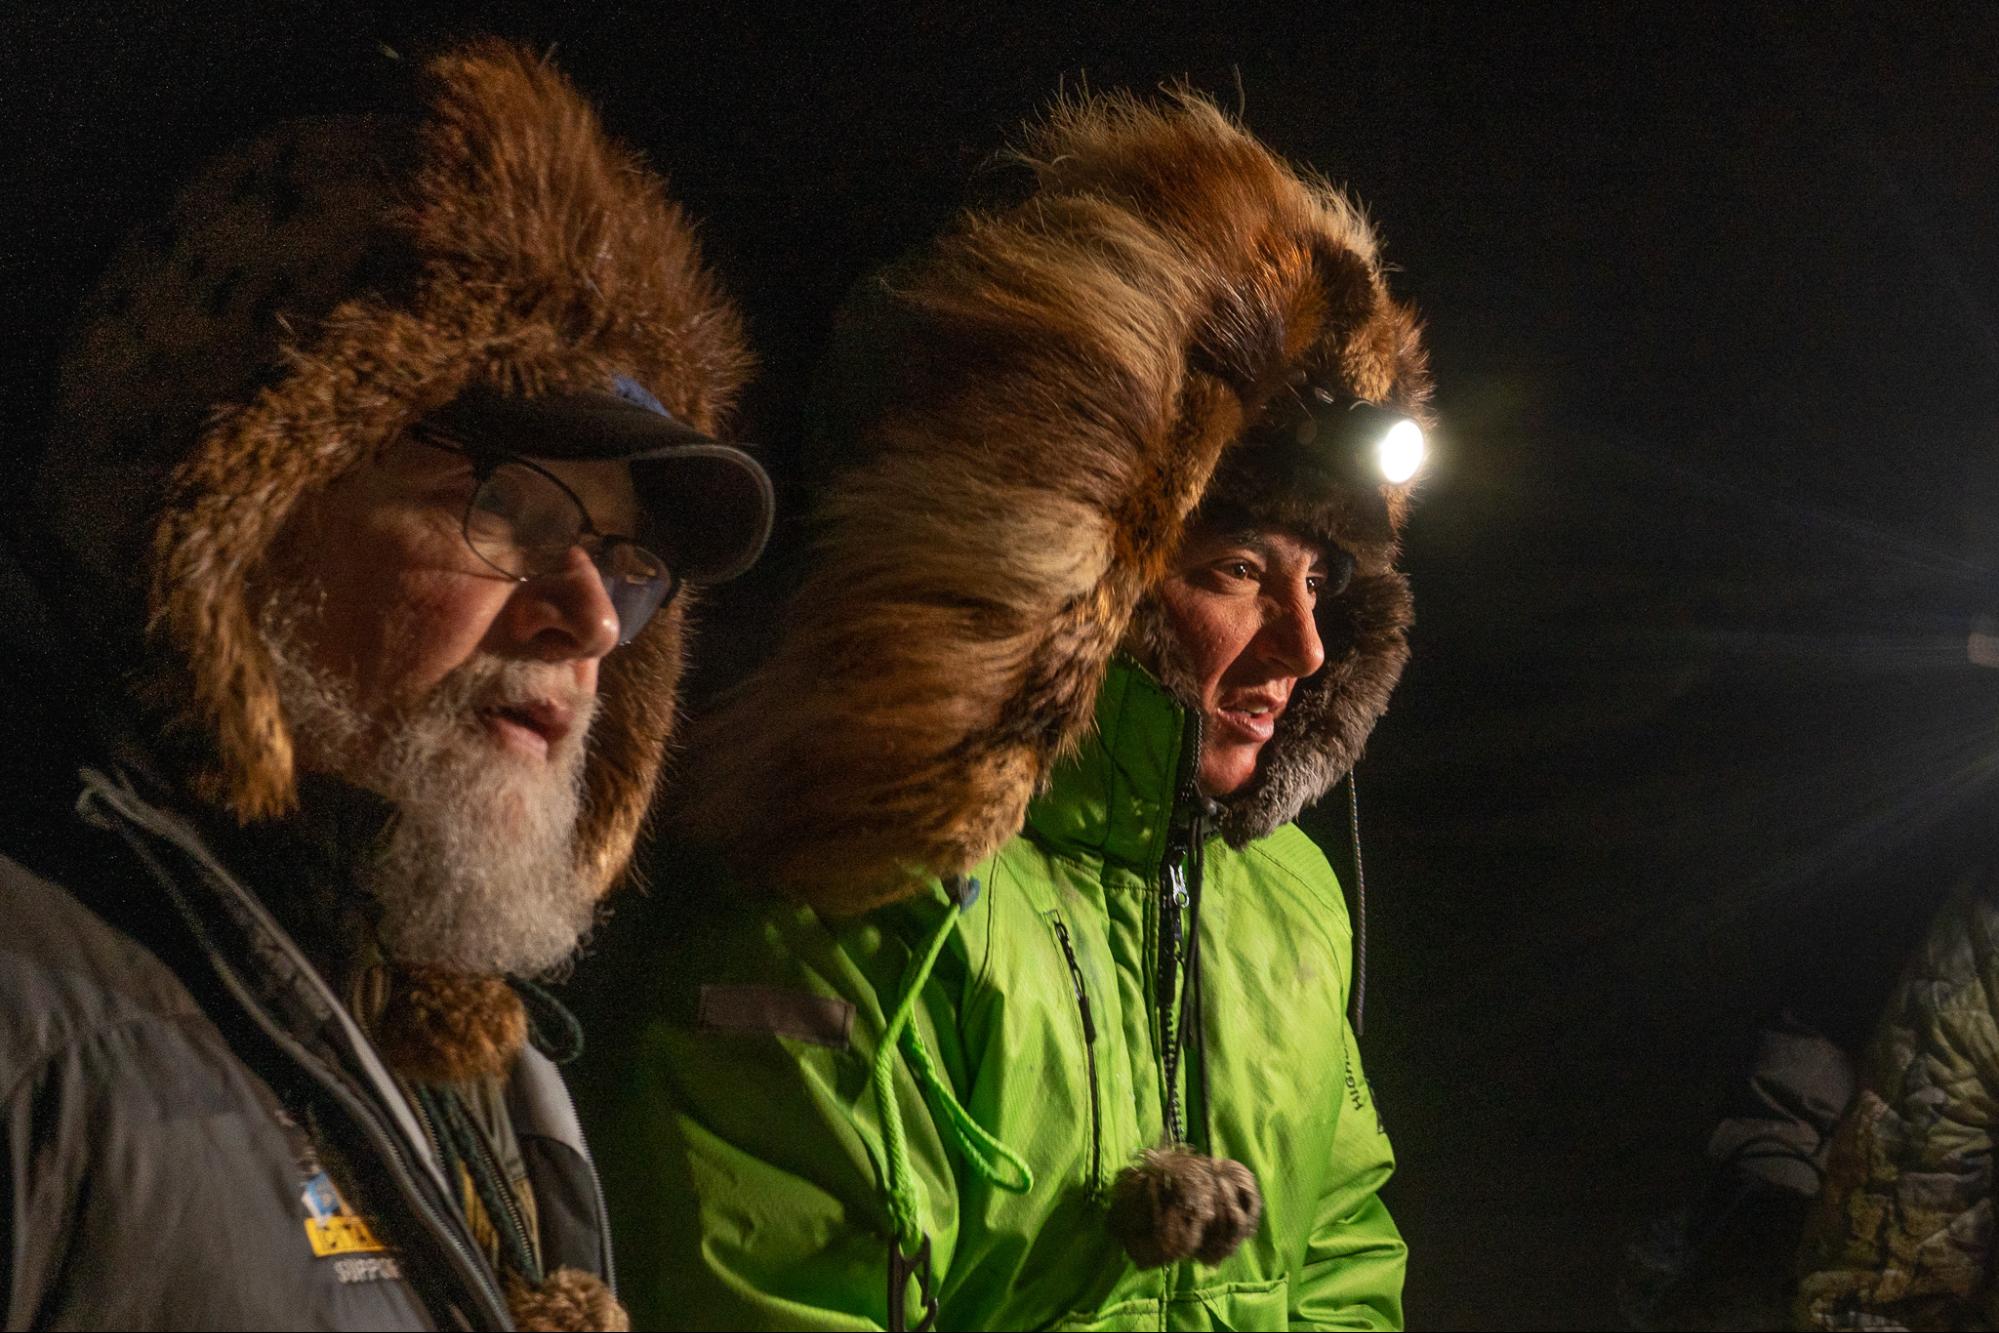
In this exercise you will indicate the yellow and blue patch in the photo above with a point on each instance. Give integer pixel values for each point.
(331, 1226)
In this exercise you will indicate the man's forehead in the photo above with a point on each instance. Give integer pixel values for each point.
(1270, 540)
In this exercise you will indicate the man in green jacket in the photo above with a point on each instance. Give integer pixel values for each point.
(1050, 1026)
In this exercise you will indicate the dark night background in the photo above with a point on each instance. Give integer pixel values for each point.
(1687, 737)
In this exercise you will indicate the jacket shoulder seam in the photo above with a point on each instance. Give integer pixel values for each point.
(1290, 872)
(34, 1065)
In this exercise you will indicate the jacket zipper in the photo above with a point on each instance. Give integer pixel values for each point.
(1172, 908)
(1089, 1052)
(1173, 898)
(508, 1201)
(510, 1216)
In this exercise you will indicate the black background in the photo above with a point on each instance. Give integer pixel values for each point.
(1688, 736)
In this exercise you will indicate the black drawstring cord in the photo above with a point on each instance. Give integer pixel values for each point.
(552, 1029)
(460, 1144)
(1357, 993)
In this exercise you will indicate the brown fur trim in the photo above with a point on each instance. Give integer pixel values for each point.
(500, 237)
(569, 1299)
(1175, 1204)
(1026, 414)
(446, 1027)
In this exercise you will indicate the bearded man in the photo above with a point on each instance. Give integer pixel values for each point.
(1054, 1032)
(357, 561)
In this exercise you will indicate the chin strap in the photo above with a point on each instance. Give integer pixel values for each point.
(988, 1158)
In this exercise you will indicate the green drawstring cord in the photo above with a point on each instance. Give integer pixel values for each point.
(990, 1159)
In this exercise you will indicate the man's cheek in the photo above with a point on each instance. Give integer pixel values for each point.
(434, 629)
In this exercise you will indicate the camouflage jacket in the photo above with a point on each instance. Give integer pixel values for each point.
(1902, 1236)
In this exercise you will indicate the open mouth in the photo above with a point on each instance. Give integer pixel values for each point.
(534, 727)
(1250, 719)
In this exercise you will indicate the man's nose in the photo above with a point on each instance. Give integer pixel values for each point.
(565, 614)
(1290, 637)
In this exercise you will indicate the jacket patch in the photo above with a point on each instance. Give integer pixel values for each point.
(374, 1268)
(332, 1227)
(818, 1019)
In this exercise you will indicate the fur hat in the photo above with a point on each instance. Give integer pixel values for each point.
(1026, 414)
(310, 296)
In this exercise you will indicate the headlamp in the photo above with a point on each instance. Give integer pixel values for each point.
(1374, 444)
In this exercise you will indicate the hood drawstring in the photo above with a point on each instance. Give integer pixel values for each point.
(988, 1158)
(552, 1029)
(1357, 996)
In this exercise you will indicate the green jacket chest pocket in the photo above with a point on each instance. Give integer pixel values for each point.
(1089, 1069)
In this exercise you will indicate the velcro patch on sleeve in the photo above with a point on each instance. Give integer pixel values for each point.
(331, 1226)
(818, 1019)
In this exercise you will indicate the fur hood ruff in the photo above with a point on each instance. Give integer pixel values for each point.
(1026, 414)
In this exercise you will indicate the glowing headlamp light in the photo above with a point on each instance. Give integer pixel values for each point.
(1377, 444)
(1400, 452)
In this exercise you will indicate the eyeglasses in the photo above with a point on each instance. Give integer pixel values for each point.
(522, 521)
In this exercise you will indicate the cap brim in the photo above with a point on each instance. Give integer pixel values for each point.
(711, 503)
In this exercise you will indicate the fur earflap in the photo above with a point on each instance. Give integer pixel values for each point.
(569, 1299)
(311, 296)
(1024, 415)
(1175, 1204)
(447, 1027)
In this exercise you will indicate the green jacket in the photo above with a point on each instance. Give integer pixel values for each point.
(747, 1165)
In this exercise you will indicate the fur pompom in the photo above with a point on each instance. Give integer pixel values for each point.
(447, 1027)
(1177, 1204)
(569, 1299)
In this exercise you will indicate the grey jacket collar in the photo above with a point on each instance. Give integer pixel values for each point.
(279, 989)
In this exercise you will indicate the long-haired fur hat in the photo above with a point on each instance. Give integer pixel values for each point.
(309, 297)
(1027, 413)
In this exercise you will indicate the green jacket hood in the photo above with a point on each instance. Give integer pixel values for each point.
(1115, 797)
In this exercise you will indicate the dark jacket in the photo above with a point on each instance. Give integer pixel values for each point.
(198, 1135)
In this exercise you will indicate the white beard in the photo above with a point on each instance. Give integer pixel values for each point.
(478, 872)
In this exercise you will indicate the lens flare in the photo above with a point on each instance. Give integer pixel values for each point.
(1400, 452)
